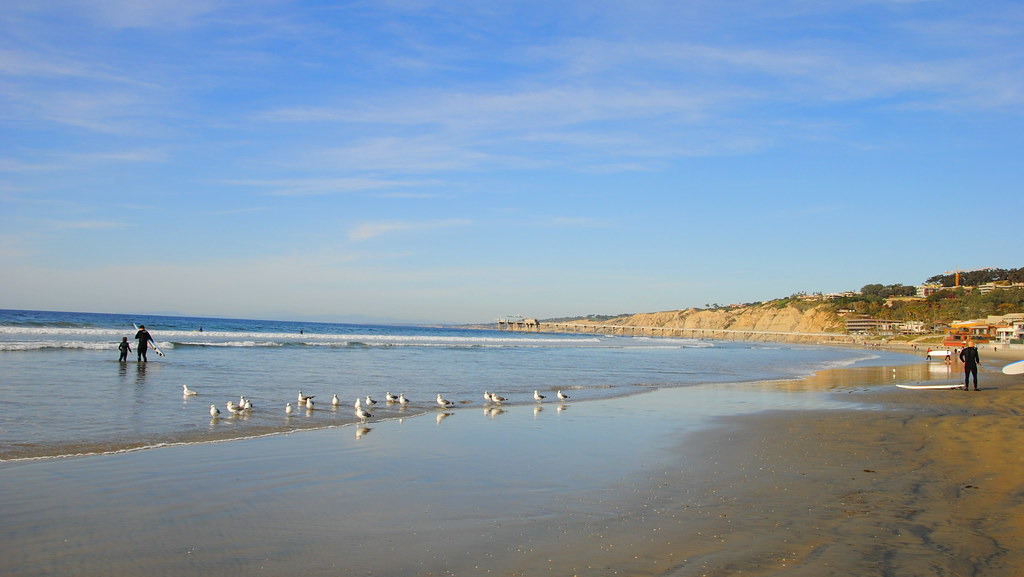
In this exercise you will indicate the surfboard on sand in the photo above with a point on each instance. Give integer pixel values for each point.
(932, 387)
(152, 343)
(1016, 368)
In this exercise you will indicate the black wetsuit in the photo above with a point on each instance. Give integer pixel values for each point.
(125, 349)
(971, 359)
(143, 337)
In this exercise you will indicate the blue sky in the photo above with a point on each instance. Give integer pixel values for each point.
(461, 161)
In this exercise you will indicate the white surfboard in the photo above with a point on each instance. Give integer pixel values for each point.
(1016, 368)
(152, 343)
(931, 387)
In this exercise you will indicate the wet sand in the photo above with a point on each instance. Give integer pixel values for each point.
(838, 474)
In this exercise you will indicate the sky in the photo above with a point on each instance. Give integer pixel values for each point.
(461, 161)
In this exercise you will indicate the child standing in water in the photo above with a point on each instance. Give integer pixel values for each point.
(125, 349)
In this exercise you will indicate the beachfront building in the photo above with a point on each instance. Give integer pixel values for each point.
(959, 332)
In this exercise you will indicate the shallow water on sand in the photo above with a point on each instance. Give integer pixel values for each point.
(449, 492)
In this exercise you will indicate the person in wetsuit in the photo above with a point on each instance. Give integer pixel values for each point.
(144, 338)
(125, 349)
(971, 360)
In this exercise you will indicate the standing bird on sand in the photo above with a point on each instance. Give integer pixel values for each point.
(562, 396)
(288, 409)
(187, 392)
(443, 401)
(538, 397)
(497, 399)
(214, 411)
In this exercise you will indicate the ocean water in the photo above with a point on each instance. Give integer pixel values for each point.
(64, 391)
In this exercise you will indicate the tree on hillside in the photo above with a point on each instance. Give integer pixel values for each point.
(977, 277)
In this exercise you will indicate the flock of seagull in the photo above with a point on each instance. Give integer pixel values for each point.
(361, 406)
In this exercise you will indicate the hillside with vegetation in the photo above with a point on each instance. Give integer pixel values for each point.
(817, 313)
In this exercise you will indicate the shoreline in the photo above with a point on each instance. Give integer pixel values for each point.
(882, 481)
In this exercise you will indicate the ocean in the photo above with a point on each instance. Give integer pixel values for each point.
(65, 393)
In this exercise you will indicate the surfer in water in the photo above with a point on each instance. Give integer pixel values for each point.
(144, 338)
(971, 360)
(125, 349)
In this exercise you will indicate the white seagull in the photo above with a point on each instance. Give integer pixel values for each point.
(233, 408)
(309, 403)
(303, 399)
(187, 392)
(334, 401)
(487, 397)
(497, 398)
(562, 396)
(390, 398)
(214, 411)
(363, 415)
(402, 400)
(288, 409)
(443, 401)
(359, 403)
(370, 402)
(538, 397)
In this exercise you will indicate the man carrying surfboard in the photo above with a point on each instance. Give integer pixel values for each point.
(144, 339)
(971, 360)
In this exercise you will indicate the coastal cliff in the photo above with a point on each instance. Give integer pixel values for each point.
(794, 322)
(763, 318)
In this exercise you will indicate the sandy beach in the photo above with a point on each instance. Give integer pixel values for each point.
(838, 474)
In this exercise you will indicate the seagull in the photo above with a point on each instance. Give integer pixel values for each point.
(187, 392)
(214, 411)
(370, 402)
(497, 398)
(538, 397)
(247, 405)
(487, 397)
(234, 409)
(288, 409)
(562, 396)
(303, 399)
(402, 400)
(334, 401)
(363, 415)
(443, 401)
(390, 398)
(309, 403)
(359, 403)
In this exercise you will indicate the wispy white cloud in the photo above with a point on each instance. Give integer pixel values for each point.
(322, 186)
(85, 224)
(369, 230)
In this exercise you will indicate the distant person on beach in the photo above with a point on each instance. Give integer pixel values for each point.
(125, 349)
(144, 339)
(969, 355)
